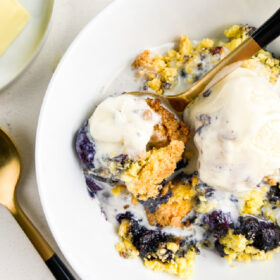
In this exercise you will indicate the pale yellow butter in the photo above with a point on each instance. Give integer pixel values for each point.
(13, 18)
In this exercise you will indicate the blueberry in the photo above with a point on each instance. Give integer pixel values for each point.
(220, 248)
(183, 73)
(268, 237)
(199, 66)
(203, 189)
(120, 159)
(147, 241)
(151, 204)
(182, 176)
(181, 164)
(249, 226)
(197, 77)
(233, 198)
(93, 188)
(166, 85)
(85, 147)
(209, 191)
(274, 194)
(124, 216)
(218, 223)
(205, 121)
(264, 234)
(190, 218)
(101, 179)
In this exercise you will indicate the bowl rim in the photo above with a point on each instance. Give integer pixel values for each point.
(38, 142)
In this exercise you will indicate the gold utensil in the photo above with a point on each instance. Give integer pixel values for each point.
(10, 169)
(260, 38)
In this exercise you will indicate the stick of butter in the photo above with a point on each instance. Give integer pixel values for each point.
(13, 18)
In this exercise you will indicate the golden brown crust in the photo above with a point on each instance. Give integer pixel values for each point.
(169, 129)
(165, 149)
(159, 137)
(177, 207)
(142, 60)
(143, 181)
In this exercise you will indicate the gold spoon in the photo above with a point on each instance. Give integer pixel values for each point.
(260, 38)
(10, 169)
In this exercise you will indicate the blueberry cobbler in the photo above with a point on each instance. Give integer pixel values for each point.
(208, 179)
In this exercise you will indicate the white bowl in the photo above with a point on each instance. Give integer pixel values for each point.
(29, 42)
(116, 35)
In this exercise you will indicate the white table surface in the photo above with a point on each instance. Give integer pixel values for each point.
(19, 111)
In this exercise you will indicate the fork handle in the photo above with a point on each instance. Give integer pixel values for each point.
(269, 31)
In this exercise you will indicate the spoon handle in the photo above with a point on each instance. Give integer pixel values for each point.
(264, 35)
(269, 31)
(56, 266)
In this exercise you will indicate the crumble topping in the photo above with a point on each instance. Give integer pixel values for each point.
(162, 72)
(253, 202)
(181, 266)
(177, 207)
(169, 128)
(237, 247)
(144, 177)
(159, 252)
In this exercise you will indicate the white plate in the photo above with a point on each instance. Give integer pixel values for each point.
(25, 47)
(109, 41)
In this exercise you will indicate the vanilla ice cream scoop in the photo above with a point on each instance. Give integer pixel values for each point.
(122, 125)
(236, 131)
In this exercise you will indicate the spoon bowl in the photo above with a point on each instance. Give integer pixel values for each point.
(10, 169)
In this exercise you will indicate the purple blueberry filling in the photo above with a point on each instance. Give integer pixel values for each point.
(218, 223)
(205, 121)
(86, 150)
(220, 248)
(146, 241)
(121, 159)
(181, 164)
(264, 234)
(85, 147)
(92, 187)
(151, 204)
(274, 194)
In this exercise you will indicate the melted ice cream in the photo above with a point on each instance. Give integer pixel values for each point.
(122, 125)
(237, 131)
